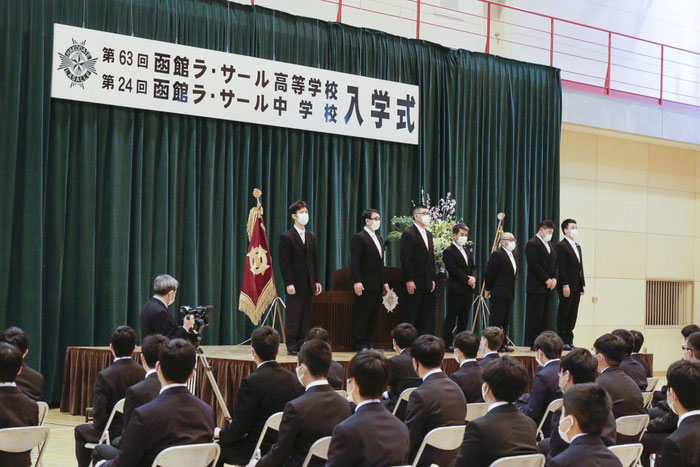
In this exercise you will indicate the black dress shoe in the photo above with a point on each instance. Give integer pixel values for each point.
(451, 349)
(292, 352)
(568, 347)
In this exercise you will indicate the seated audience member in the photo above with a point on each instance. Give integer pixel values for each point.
(638, 342)
(110, 387)
(577, 367)
(658, 402)
(491, 340)
(402, 374)
(138, 394)
(310, 416)
(629, 365)
(504, 431)
(30, 381)
(436, 403)
(16, 409)
(625, 394)
(372, 436)
(545, 384)
(174, 418)
(261, 394)
(682, 447)
(585, 411)
(468, 375)
(336, 374)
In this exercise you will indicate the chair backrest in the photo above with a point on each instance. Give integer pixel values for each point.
(628, 454)
(652, 382)
(43, 410)
(192, 455)
(25, 439)
(528, 460)
(118, 408)
(647, 397)
(476, 410)
(272, 423)
(632, 425)
(318, 449)
(552, 407)
(446, 438)
(403, 397)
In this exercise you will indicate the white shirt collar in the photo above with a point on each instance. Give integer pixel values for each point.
(490, 352)
(11, 384)
(301, 231)
(572, 243)
(580, 434)
(604, 370)
(496, 404)
(149, 373)
(370, 231)
(160, 300)
(420, 229)
(266, 361)
(319, 382)
(368, 401)
(432, 372)
(174, 385)
(122, 358)
(467, 360)
(508, 252)
(692, 413)
(459, 247)
(551, 361)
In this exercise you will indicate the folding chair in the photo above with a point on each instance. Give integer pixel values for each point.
(446, 438)
(25, 439)
(43, 410)
(192, 455)
(632, 425)
(403, 398)
(651, 383)
(552, 407)
(104, 437)
(318, 449)
(528, 460)
(628, 454)
(476, 410)
(647, 397)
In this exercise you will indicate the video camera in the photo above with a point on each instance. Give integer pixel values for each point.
(201, 318)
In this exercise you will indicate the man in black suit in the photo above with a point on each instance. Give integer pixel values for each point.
(436, 403)
(571, 282)
(336, 373)
(368, 277)
(418, 268)
(638, 342)
(110, 387)
(682, 447)
(137, 395)
(461, 282)
(585, 410)
(155, 317)
(29, 381)
(299, 265)
(499, 281)
(261, 394)
(541, 280)
(311, 416)
(625, 394)
(503, 431)
(545, 384)
(629, 365)
(491, 340)
(18, 410)
(402, 374)
(174, 418)
(468, 375)
(372, 436)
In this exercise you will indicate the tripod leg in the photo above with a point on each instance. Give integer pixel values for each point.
(279, 314)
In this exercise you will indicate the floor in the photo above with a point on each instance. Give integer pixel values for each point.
(61, 448)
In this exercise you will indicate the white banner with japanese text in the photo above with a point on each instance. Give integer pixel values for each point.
(126, 71)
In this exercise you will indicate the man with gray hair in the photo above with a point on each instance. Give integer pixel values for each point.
(499, 278)
(155, 317)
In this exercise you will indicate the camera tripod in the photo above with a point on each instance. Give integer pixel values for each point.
(274, 306)
(192, 383)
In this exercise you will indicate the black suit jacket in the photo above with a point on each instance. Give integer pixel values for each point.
(31, 383)
(458, 271)
(306, 419)
(436, 403)
(262, 393)
(139, 394)
(16, 410)
(642, 361)
(371, 437)
(556, 445)
(366, 263)
(499, 277)
(156, 319)
(541, 265)
(635, 370)
(586, 451)
(299, 261)
(174, 418)
(417, 261)
(569, 267)
(502, 432)
(336, 375)
(544, 389)
(488, 358)
(682, 447)
(468, 378)
(110, 386)
(625, 394)
(402, 375)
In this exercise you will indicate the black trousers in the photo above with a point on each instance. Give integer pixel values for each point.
(537, 316)
(566, 316)
(653, 444)
(500, 309)
(298, 318)
(85, 433)
(458, 306)
(104, 452)
(366, 309)
(419, 309)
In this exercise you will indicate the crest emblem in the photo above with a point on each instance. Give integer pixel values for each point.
(77, 63)
(257, 258)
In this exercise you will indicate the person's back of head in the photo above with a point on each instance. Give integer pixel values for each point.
(692, 345)
(589, 404)
(369, 374)
(638, 340)
(123, 341)
(506, 379)
(610, 348)
(10, 362)
(404, 334)
(318, 333)
(315, 355)
(265, 342)
(684, 385)
(578, 367)
(16, 337)
(150, 348)
(550, 344)
(493, 336)
(176, 362)
(428, 351)
(689, 329)
(468, 343)
(627, 337)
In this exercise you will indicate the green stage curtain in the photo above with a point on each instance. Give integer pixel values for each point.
(95, 201)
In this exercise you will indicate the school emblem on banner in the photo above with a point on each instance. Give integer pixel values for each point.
(77, 63)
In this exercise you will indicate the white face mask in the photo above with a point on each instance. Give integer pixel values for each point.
(562, 382)
(670, 405)
(547, 237)
(303, 218)
(537, 359)
(511, 246)
(573, 233)
(300, 376)
(462, 240)
(374, 225)
(425, 219)
(483, 391)
(457, 357)
(564, 434)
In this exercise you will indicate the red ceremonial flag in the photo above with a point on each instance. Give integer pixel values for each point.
(258, 290)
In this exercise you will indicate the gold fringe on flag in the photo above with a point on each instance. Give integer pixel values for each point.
(245, 304)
